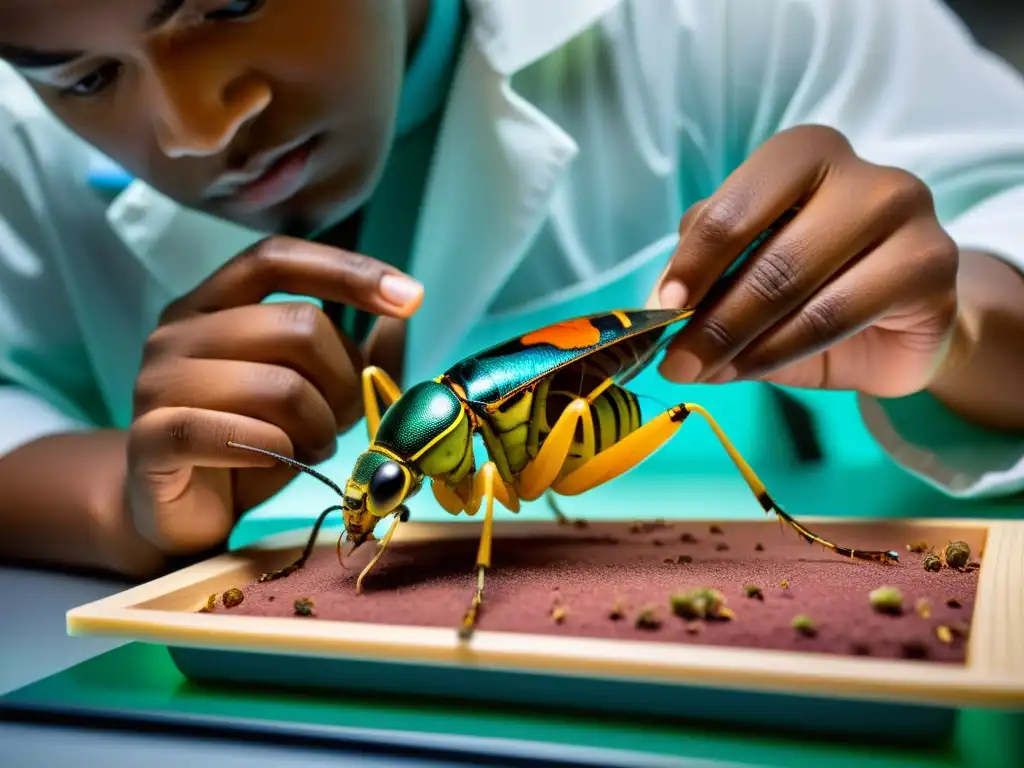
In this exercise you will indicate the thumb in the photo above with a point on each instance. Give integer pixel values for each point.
(655, 301)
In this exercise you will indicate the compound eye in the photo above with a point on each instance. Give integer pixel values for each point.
(386, 487)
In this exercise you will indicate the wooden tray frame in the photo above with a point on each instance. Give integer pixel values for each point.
(163, 611)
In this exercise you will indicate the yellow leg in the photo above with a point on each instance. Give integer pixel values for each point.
(487, 487)
(376, 381)
(452, 503)
(637, 446)
(399, 516)
(543, 469)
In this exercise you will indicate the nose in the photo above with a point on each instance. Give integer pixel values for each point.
(199, 102)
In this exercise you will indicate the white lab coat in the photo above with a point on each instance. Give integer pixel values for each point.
(576, 134)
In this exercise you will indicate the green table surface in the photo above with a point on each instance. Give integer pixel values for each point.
(141, 678)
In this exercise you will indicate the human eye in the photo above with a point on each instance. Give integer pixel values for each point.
(95, 82)
(237, 9)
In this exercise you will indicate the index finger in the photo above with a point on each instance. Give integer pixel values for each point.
(290, 265)
(753, 202)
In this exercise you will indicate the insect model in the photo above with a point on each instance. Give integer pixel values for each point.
(554, 414)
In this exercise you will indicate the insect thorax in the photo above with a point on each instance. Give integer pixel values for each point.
(428, 429)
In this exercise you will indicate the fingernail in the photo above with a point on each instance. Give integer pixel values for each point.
(400, 290)
(681, 366)
(673, 295)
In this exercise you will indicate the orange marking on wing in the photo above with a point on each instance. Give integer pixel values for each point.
(572, 334)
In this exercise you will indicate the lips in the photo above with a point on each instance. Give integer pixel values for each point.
(269, 178)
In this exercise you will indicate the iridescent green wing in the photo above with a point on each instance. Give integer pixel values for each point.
(490, 377)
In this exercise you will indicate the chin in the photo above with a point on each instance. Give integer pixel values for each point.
(332, 201)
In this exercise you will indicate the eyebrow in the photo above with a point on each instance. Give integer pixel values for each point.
(29, 58)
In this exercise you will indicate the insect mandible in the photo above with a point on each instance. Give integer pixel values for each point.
(555, 417)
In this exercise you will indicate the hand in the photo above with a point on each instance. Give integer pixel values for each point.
(220, 366)
(857, 291)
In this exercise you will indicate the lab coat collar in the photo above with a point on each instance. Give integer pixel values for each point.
(497, 163)
(513, 34)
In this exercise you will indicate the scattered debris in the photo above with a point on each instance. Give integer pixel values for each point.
(232, 598)
(688, 538)
(721, 547)
(923, 607)
(886, 600)
(932, 563)
(952, 602)
(957, 554)
(960, 629)
(914, 649)
(702, 603)
(753, 591)
(304, 606)
(618, 610)
(920, 546)
(802, 623)
(716, 529)
(648, 618)
(211, 603)
(684, 559)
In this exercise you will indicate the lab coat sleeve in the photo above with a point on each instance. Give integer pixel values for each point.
(46, 382)
(909, 87)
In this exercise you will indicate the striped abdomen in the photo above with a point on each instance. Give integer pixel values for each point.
(523, 422)
(615, 412)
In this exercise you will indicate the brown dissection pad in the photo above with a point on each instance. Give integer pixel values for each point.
(430, 584)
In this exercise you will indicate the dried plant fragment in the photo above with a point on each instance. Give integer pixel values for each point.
(648, 618)
(803, 624)
(886, 600)
(211, 603)
(702, 603)
(923, 607)
(956, 554)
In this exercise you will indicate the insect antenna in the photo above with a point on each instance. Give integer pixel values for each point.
(291, 463)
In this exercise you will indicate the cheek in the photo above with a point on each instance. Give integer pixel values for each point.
(349, 52)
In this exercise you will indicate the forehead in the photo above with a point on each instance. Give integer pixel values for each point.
(71, 25)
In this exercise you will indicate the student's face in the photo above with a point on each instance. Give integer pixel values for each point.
(271, 113)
